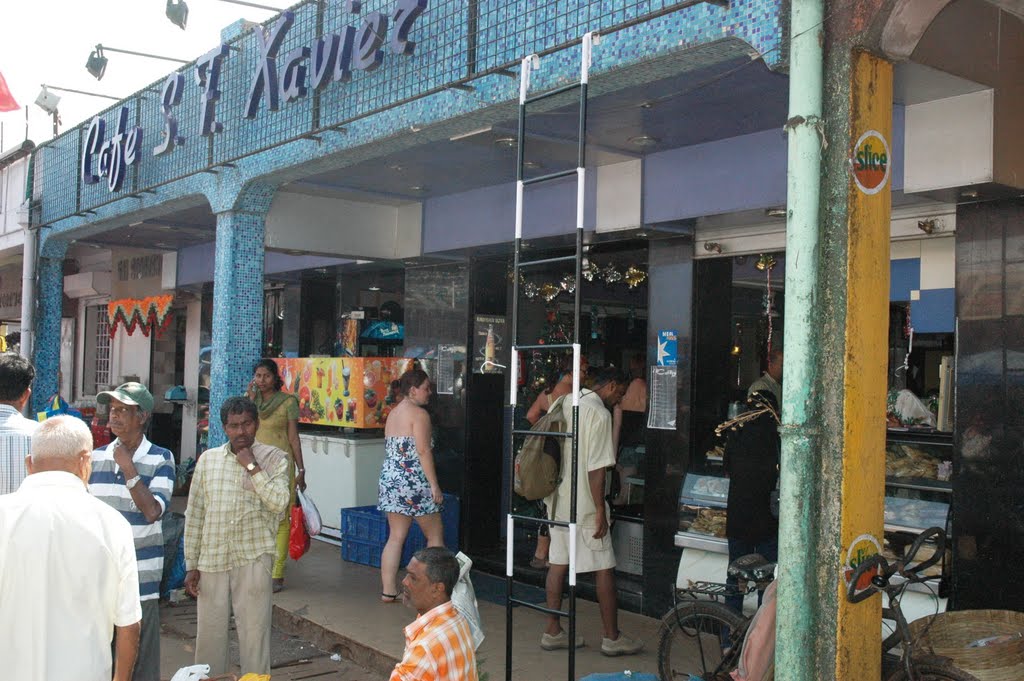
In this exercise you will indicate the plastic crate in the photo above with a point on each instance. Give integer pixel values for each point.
(366, 528)
(362, 552)
(364, 523)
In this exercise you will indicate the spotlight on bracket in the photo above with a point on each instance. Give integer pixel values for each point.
(177, 12)
(713, 247)
(96, 65)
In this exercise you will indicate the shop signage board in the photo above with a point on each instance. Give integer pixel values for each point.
(342, 391)
(275, 79)
(870, 164)
(10, 293)
(136, 274)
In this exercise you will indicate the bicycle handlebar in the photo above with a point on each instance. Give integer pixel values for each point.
(886, 570)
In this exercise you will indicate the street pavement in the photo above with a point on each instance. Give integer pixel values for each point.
(291, 658)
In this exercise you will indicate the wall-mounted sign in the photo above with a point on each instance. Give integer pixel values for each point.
(870, 164)
(668, 348)
(10, 294)
(136, 274)
(332, 58)
(489, 341)
(860, 549)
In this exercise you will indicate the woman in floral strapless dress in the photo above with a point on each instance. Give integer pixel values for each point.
(408, 486)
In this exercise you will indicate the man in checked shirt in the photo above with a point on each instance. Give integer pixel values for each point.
(438, 644)
(239, 493)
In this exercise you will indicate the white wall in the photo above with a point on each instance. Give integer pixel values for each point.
(330, 226)
(129, 356)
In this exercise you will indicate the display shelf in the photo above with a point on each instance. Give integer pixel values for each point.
(705, 542)
(920, 484)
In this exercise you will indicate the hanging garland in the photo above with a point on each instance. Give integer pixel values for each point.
(547, 291)
(765, 263)
(151, 313)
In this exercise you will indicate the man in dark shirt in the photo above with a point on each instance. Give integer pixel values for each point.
(752, 463)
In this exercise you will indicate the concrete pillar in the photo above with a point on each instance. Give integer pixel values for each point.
(237, 307)
(837, 518)
(50, 297)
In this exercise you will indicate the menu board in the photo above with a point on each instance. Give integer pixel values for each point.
(342, 391)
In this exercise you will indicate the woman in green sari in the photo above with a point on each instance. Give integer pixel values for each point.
(279, 427)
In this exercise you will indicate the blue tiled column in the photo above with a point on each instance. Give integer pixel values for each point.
(50, 304)
(237, 308)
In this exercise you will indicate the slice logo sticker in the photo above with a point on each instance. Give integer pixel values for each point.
(871, 163)
(861, 548)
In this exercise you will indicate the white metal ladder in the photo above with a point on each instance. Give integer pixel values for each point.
(529, 64)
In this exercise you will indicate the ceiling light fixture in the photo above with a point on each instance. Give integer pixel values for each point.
(507, 142)
(647, 105)
(778, 212)
(643, 141)
(470, 133)
(373, 288)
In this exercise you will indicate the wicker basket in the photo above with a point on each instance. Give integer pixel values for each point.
(949, 633)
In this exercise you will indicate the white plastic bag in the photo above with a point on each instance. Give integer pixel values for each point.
(464, 599)
(196, 672)
(309, 513)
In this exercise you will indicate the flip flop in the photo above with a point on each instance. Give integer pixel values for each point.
(388, 598)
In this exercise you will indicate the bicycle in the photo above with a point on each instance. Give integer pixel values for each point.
(914, 664)
(701, 637)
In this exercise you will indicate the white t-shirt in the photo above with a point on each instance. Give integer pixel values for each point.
(595, 452)
(68, 576)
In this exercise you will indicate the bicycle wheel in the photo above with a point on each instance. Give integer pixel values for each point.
(698, 640)
(934, 669)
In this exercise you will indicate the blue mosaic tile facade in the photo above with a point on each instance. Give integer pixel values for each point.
(445, 53)
(374, 106)
(50, 304)
(237, 307)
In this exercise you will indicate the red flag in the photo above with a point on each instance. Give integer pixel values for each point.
(7, 102)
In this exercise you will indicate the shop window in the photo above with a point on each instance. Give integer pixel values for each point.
(96, 369)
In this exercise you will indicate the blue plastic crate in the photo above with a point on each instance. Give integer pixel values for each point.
(364, 523)
(362, 552)
(367, 529)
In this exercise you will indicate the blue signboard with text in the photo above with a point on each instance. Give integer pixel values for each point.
(668, 345)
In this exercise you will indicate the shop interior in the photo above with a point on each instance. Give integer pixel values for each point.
(732, 338)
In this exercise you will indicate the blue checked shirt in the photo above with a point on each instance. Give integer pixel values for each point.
(15, 444)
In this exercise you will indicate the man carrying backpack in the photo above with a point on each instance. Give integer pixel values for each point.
(593, 542)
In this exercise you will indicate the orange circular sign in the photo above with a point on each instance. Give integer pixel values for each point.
(871, 162)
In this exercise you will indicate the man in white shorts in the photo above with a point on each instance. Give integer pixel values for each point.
(593, 540)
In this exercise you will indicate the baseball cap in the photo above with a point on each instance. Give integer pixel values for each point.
(128, 393)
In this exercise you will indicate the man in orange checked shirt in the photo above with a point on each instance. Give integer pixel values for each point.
(438, 644)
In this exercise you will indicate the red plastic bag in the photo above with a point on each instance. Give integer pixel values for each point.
(298, 537)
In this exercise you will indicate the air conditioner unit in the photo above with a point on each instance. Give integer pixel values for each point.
(85, 284)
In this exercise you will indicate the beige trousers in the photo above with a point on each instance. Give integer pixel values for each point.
(245, 591)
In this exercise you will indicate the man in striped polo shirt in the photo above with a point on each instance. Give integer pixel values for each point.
(136, 478)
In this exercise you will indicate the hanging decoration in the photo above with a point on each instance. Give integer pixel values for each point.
(766, 262)
(152, 313)
(635, 276)
(611, 275)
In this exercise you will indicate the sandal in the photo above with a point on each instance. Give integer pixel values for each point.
(388, 598)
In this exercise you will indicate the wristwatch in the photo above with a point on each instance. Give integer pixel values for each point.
(251, 466)
(131, 482)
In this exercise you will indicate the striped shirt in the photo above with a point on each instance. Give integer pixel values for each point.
(107, 483)
(232, 515)
(15, 444)
(438, 647)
